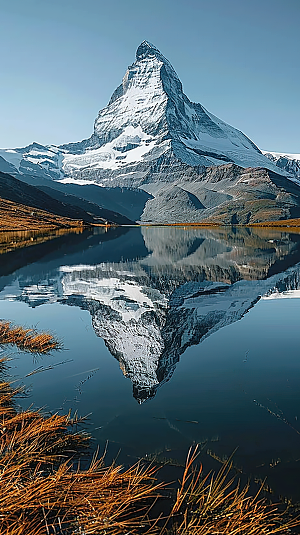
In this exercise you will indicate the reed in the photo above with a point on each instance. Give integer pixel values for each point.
(27, 339)
(43, 490)
(217, 504)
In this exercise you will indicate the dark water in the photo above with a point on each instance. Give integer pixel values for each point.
(171, 337)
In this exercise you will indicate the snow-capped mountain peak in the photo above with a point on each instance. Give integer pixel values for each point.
(140, 101)
(148, 122)
(148, 49)
(151, 136)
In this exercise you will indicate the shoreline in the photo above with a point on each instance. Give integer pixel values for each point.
(284, 223)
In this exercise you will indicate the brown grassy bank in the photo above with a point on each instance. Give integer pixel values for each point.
(294, 224)
(14, 216)
(45, 491)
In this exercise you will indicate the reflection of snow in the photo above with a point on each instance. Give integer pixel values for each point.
(290, 294)
(150, 310)
(128, 318)
(138, 345)
(118, 290)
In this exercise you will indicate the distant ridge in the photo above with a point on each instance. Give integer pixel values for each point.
(63, 205)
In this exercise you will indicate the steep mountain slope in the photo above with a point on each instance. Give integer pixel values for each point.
(91, 208)
(148, 122)
(50, 201)
(126, 201)
(151, 136)
(17, 191)
(19, 217)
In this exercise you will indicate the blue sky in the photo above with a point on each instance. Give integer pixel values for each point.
(61, 61)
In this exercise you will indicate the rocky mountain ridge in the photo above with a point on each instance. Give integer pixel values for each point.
(290, 163)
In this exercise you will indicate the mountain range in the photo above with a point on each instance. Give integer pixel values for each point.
(172, 159)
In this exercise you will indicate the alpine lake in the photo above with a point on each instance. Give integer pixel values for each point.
(171, 336)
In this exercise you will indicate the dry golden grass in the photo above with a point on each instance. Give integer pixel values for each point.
(14, 216)
(42, 489)
(283, 223)
(45, 491)
(27, 339)
(216, 504)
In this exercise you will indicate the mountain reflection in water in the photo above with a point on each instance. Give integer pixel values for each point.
(153, 292)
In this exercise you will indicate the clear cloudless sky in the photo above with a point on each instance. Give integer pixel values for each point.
(62, 59)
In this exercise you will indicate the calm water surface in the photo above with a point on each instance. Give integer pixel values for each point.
(171, 336)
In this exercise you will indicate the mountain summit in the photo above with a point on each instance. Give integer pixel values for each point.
(148, 122)
(152, 137)
(149, 118)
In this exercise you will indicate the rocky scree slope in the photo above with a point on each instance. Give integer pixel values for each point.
(226, 194)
